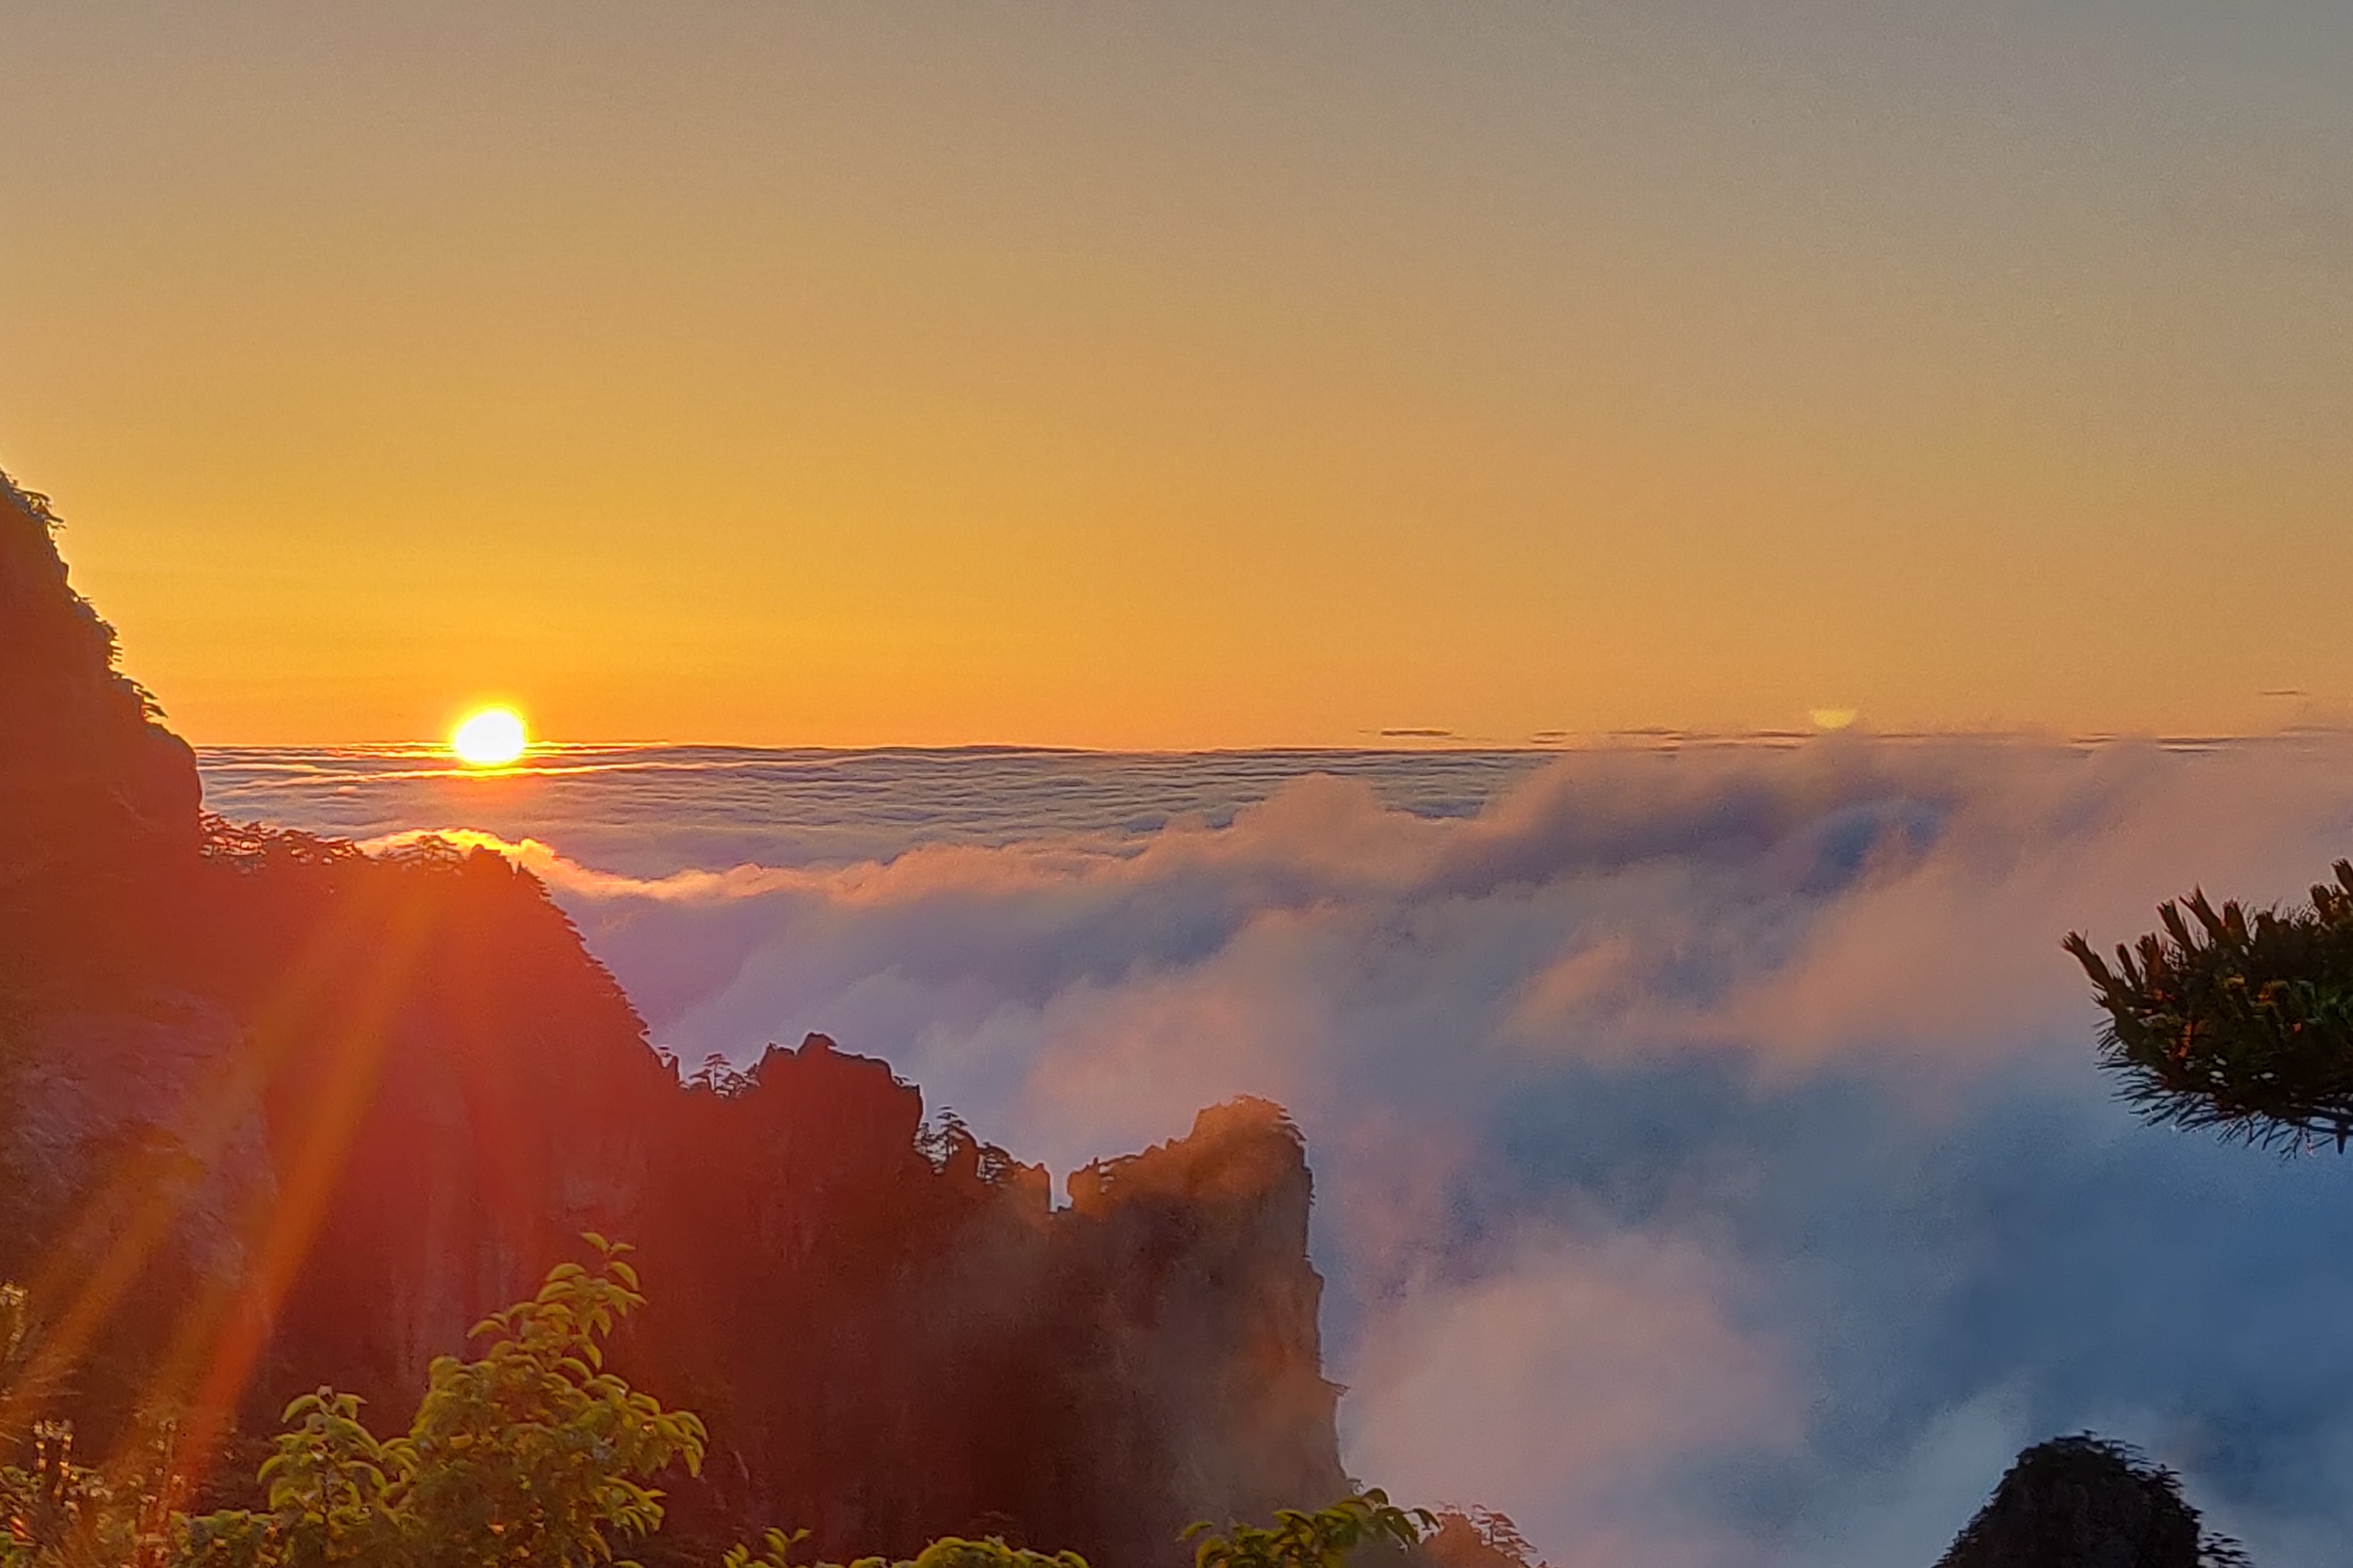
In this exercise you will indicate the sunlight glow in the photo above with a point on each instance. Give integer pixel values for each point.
(491, 738)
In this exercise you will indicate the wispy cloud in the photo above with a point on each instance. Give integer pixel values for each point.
(1711, 1170)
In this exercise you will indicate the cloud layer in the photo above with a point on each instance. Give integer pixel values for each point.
(1711, 1166)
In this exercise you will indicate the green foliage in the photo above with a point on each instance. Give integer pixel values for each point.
(1323, 1539)
(948, 1552)
(60, 1514)
(535, 1453)
(47, 1509)
(532, 1454)
(2237, 1020)
(1298, 1539)
(329, 1484)
(53, 1512)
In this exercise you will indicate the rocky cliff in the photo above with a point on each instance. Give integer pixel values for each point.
(97, 798)
(275, 1112)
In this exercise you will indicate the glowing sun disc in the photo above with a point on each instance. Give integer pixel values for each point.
(489, 739)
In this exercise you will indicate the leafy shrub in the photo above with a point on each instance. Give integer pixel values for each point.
(948, 1552)
(60, 1514)
(532, 1454)
(1298, 1539)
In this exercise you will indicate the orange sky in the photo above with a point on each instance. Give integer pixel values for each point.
(1190, 374)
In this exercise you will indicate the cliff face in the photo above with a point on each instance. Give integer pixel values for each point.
(2079, 1502)
(867, 1306)
(274, 1113)
(83, 760)
(96, 800)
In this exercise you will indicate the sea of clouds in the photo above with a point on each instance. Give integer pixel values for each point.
(1712, 1166)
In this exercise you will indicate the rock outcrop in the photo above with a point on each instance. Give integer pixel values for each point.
(274, 1112)
(2082, 1503)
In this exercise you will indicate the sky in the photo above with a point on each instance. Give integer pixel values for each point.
(1191, 374)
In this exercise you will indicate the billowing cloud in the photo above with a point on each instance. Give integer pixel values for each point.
(1600, 1373)
(1710, 1165)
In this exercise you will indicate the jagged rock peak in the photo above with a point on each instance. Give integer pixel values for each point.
(82, 759)
(1245, 1148)
(2086, 1503)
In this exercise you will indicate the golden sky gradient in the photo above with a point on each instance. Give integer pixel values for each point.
(1191, 374)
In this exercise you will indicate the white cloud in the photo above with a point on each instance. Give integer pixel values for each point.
(1694, 1133)
(1572, 1386)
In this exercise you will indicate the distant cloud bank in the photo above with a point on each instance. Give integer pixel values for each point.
(1712, 1167)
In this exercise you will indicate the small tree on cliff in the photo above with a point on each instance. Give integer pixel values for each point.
(2236, 1019)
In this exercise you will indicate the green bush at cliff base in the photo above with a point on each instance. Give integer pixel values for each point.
(533, 1454)
(948, 1552)
(1325, 1538)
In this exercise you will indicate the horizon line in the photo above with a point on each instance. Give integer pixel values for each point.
(1546, 743)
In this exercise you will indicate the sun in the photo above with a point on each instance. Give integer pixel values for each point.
(490, 738)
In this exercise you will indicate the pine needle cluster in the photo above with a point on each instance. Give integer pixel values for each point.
(2236, 1020)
